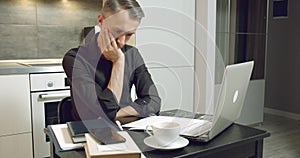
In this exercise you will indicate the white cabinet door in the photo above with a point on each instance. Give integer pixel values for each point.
(16, 146)
(15, 115)
(175, 87)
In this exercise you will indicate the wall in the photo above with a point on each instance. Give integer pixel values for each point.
(167, 47)
(32, 29)
(283, 54)
(205, 56)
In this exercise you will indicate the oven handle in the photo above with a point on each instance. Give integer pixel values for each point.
(54, 96)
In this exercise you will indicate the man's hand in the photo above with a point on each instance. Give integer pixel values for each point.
(109, 46)
(126, 111)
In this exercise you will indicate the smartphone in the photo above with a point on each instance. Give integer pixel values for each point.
(106, 135)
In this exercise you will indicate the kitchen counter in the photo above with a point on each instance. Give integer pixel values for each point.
(30, 66)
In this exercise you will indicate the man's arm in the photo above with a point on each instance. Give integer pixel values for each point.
(115, 83)
(83, 86)
(116, 86)
(148, 101)
(110, 50)
(126, 111)
(116, 56)
(91, 98)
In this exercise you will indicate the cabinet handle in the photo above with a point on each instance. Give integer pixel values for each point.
(54, 96)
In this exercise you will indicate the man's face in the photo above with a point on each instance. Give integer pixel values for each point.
(121, 26)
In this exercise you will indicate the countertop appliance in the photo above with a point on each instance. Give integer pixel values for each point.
(47, 90)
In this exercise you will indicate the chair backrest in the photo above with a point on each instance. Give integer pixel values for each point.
(64, 110)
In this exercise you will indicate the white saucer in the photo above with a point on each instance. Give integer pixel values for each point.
(179, 143)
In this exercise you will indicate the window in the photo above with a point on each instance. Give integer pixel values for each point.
(280, 9)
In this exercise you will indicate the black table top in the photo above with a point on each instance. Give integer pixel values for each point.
(234, 135)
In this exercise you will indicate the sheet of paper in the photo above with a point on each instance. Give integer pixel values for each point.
(189, 127)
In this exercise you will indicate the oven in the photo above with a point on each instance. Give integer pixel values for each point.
(47, 90)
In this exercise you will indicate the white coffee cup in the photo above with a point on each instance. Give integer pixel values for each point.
(164, 133)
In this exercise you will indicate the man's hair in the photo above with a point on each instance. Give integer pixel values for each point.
(115, 6)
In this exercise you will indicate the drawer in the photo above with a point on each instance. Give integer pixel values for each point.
(16, 146)
(48, 81)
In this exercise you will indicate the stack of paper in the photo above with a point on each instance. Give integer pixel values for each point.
(128, 149)
(63, 137)
(189, 127)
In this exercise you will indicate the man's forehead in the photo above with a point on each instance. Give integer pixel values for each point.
(123, 29)
(121, 18)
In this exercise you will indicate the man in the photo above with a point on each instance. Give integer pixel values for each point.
(102, 71)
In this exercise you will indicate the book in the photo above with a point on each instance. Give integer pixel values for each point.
(62, 138)
(77, 129)
(128, 149)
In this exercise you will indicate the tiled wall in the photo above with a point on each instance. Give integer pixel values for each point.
(37, 29)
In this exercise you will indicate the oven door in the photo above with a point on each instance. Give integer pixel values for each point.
(44, 113)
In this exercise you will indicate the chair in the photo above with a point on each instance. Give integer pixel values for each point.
(64, 110)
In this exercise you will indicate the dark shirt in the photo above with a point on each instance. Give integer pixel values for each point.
(89, 73)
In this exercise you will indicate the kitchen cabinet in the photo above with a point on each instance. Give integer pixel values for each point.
(165, 39)
(16, 146)
(15, 116)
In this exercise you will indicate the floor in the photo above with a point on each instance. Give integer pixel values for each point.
(284, 141)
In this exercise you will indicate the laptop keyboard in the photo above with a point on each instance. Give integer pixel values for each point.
(180, 113)
(207, 117)
(187, 114)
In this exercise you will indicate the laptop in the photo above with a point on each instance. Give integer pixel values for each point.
(230, 100)
(228, 107)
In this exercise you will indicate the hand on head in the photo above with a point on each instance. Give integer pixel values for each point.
(108, 46)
